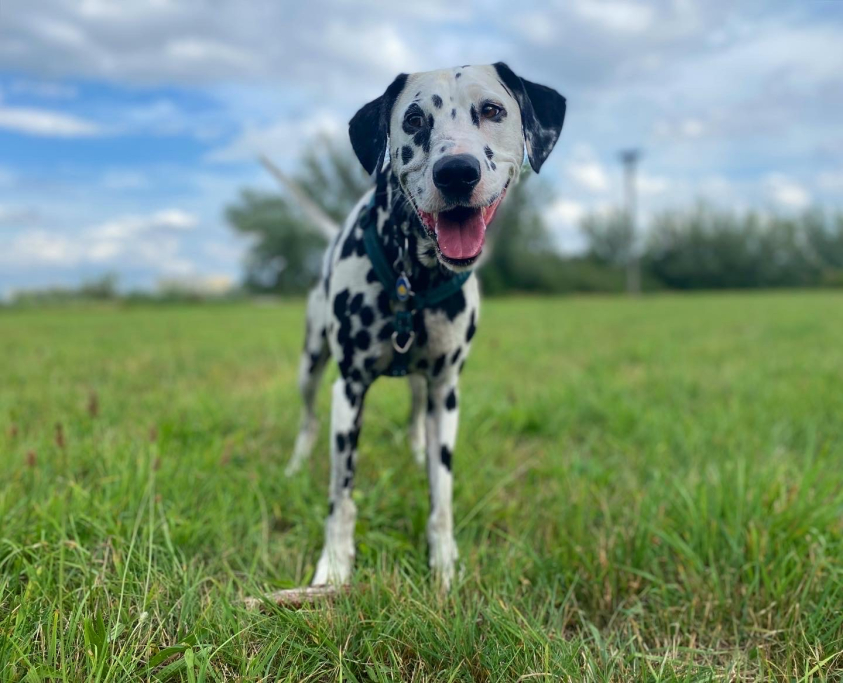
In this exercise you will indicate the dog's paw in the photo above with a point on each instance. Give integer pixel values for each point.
(443, 560)
(333, 568)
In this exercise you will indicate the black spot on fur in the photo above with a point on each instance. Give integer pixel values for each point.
(451, 400)
(383, 303)
(422, 364)
(356, 303)
(420, 330)
(353, 436)
(340, 442)
(340, 303)
(330, 508)
(371, 276)
(362, 340)
(422, 139)
(475, 119)
(493, 166)
(489, 152)
(456, 355)
(462, 365)
(430, 121)
(367, 315)
(350, 395)
(452, 306)
(385, 332)
(453, 113)
(346, 483)
(406, 154)
(437, 101)
(472, 328)
(438, 364)
(443, 148)
(429, 404)
(447, 457)
(348, 246)
(457, 75)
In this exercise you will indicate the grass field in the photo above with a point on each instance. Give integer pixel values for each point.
(645, 490)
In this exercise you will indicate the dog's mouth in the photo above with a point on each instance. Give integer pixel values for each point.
(460, 233)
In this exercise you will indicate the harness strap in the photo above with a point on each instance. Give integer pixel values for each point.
(404, 335)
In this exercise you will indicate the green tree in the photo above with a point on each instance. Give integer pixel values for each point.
(706, 248)
(609, 237)
(522, 255)
(286, 252)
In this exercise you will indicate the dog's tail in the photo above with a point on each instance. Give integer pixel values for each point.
(321, 220)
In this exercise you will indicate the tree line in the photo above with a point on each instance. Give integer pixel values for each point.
(702, 247)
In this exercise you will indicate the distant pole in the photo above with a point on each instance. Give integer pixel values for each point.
(630, 158)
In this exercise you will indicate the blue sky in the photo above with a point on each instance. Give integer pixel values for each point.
(126, 127)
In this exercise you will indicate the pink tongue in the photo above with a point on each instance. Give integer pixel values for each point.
(461, 240)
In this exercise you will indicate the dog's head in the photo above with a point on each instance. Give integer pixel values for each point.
(456, 140)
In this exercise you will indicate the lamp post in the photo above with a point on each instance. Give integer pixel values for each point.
(629, 159)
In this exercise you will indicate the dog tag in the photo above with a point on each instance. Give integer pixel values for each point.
(402, 287)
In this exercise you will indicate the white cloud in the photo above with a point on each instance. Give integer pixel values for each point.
(692, 128)
(149, 240)
(652, 185)
(17, 216)
(46, 123)
(830, 181)
(354, 45)
(282, 141)
(684, 129)
(125, 227)
(586, 171)
(209, 53)
(563, 218)
(786, 192)
(48, 90)
(565, 213)
(717, 188)
(536, 27)
(125, 179)
(619, 16)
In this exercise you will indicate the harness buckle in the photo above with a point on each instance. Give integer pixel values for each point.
(411, 336)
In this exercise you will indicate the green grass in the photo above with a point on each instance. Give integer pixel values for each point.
(645, 490)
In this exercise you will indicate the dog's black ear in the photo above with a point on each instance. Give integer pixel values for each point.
(542, 113)
(369, 127)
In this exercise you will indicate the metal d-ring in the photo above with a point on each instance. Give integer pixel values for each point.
(411, 336)
(399, 262)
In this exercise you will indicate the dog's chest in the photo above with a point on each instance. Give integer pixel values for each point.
(362, 323)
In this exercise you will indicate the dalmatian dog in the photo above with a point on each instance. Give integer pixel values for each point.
(444, 147)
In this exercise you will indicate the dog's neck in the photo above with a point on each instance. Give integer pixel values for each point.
(404, 239)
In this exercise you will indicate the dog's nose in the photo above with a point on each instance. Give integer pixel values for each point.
(456, 175)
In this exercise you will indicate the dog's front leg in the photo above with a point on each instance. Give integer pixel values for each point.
(441, 423)
(337, 556)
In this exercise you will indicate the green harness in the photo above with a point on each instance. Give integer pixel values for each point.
(404, 301)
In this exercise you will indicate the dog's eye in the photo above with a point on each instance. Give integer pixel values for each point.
(492, 111)
(414, 120)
